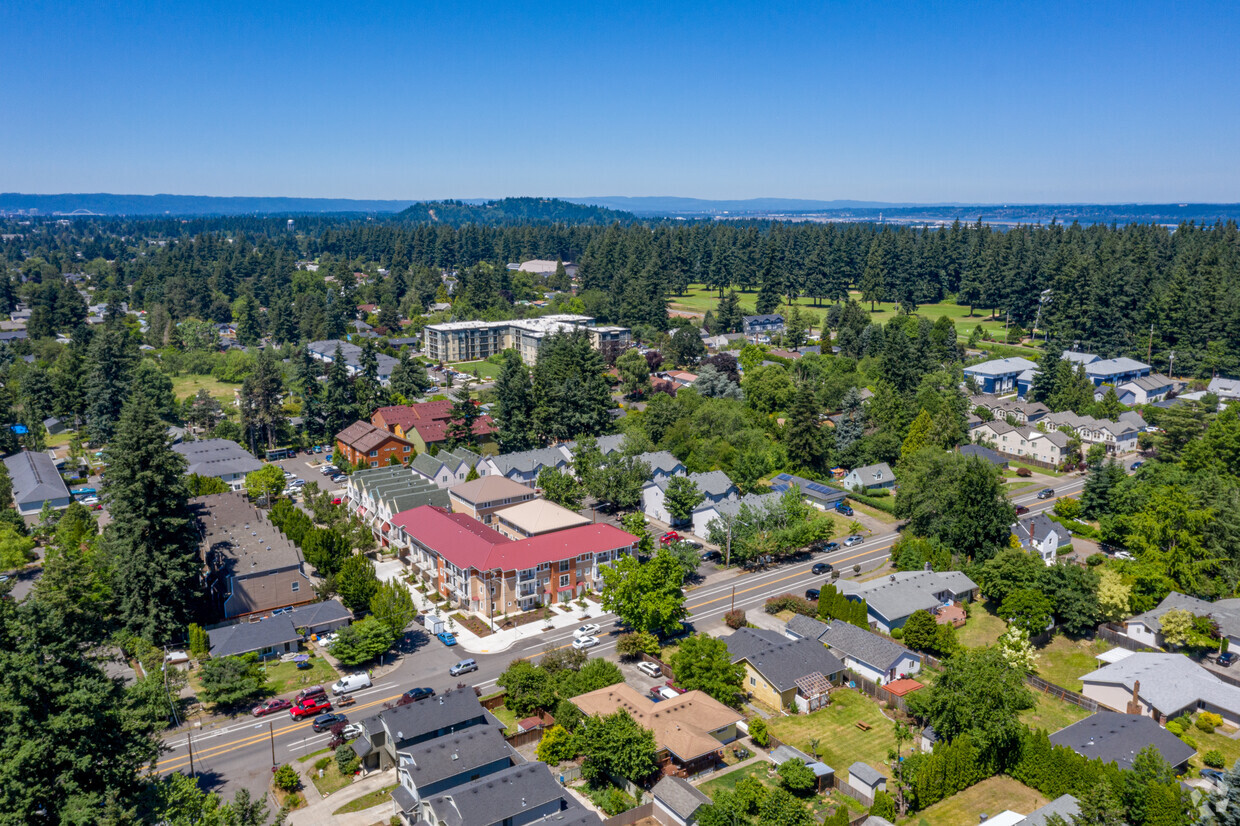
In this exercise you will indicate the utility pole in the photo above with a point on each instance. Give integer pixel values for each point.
(733, 608)
(1171, 364)
(272, 733)
(189, 739)
(1149, 353)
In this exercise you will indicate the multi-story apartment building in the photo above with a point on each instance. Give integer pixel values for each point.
(473, 340)
(482, 497)
(364, 445)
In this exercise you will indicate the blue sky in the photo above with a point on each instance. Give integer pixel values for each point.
(974, 102)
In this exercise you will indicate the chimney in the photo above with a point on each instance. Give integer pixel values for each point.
(1134, 705)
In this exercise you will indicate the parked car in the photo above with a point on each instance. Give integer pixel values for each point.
(855, 539)
(711, 556)
(351, 683)
(83, 491)
(582, 643)
(812, 593)
(1124, 555)
(1226, 659)
(419, 693)
(650, 669)
(697, 546)
(588, 630)
(672, 685)
(669, 537)
(1021, 510)
(447, 638)
(844, 508)
(90, 500)
(268, 706)
(325, 721)
(310, 706)
(1214, 775)
(1046, 493)
(340, 478)
(463, 667)
(336, 500)
(352, 731)
(821, 568)
(310, 691)
(1136, 465)
(662, 692)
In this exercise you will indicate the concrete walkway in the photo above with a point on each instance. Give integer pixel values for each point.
(319, 809)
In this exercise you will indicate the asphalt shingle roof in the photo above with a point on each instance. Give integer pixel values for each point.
(1065, 806)
(34, 478)
(660, 461)
(1118, 738)
(454, 754)
(491, 799)
(899, 595)
(862, 645)
(1226, 612)
(1169, 682)
(780, 660)
(529, 460)
(865, 773)
(217, 457)
(318, 613)
(806, 627)
(1001, 367)
(245, 637)
(680, 796)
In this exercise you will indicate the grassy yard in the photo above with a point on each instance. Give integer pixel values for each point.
(331, 781)
(184, 386)
(875, 513)
(1063, 661)
(991, 796)
(840, 742)
(1017, 484)
(367, 800)
(484, 370)
(285, 676)
(982, 628)
(1052, 714)
(1034, 468)
(506, 717)
(820, 806)
(1217, 740)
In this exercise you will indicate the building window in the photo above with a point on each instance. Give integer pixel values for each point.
(752, 681)
(296, 587)
(406, 448)
(374, 453)
(564, 581)
(565, 563)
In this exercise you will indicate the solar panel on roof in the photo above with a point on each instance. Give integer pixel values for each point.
(783, 477)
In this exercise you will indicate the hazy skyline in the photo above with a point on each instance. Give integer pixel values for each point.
(1103, 102)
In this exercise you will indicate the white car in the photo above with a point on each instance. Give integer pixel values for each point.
(1123, 555)
(588, 630)
(352, 731)
(91, 500)
(649, 669)
(582, 643)
(855, 539)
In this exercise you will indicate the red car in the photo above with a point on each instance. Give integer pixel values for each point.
(336, 501)
(1021, 509)
(269, 706)
(669, 537)
(310, 707)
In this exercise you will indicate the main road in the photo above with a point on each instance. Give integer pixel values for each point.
(240, 752)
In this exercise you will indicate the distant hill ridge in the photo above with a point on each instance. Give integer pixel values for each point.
(508, 211)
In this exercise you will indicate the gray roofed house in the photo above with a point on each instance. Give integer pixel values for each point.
(435, 766)
(715, 486)
(708, 512)
(269, 637)
(753, 325)
(1117, 738)
(894, 598)
(1225, 389)
(1147, 627)
(1169, 685)
(870, 477)
(662, 464)
(54, 425)
(1065, 806)
(875, 657)
(607, 445)
(679, 799)
(984, 453)
(321, 617)
(351, 354)
(1040, 535)
(515, 796)
(524, 467)
(36, 481)
(803, 627)
(403, 726)
(813, 492)
(223, 459)
(780, 661)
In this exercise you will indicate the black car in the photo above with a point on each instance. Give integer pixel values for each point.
(821, 568)
(711, 556)
(811, 593)
(1046, 493)
(325, 721)
(1226, 659)
(420, 693)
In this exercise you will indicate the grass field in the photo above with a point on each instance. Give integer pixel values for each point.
(699, 299)
(983, 627)
(285, 677)
(367, 800)
(875, 513)
(506, 717)
(840, 742)
(484, 370)
(1218, 739)
(222, 391)
(990, 797)
(1063, 661)
(820, 806)
(331, 781)
(1052, 714)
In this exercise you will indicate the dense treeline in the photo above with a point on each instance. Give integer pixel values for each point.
(1109, 285)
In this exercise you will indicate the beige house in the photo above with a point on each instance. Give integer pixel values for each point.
(484, 496)
(534, 517)
(1024, 442)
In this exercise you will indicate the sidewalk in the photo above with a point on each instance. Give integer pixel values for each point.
(500, 640)
(319, 810)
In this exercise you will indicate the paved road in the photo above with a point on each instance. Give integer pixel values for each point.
(238, 753)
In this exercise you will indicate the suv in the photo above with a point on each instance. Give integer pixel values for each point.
(844, 508)
(1046, 493)
(821, 568)
(325, 721)
(812, 593)
(463, 667)
(1226, 659)
(649, 669)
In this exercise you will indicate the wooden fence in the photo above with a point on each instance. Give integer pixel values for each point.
(664, 667)
(523, 738)
(854, 793)
(873, 689)
(494, 701)
(632, 815)
(1059, 692)
(1112, 635)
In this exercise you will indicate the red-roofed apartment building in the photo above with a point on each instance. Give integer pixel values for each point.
(427, 423)
(479, 569)
(365, 445)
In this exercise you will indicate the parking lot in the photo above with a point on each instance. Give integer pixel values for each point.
(306, 467)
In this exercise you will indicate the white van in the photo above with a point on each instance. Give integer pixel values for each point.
(353, 682)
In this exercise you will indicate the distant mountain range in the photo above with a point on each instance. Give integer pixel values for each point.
(611, 208)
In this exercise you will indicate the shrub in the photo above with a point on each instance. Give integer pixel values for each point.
(286, 779)
(897, 633)
(1095, 560)
(1175, 728)
(735, 619)
(1185, 721)
(322, 763)
(1188, 741)
(758, 733)
(1214, 759)
(1068, 508)
(557, 745)
(883, 806)
(791, 602)
(615, 801)
(1209, 718)
(1023, 472)
(796, 777)
(347, 760)
(629, 646)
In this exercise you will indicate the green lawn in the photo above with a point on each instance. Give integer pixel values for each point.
(1063, 661)
(367, 800)
(1051, 714)
(184, 386)
(331, 781)
(1217, 740)
(285, 677)
(313, 755)
(1014, 486)
(983, 627)
(991, 796)
(872, 512)
(840, 742)
(820, 806)
(1033, 468)
(484, 370)
(506, 717)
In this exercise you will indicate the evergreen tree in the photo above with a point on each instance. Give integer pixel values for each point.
(570, 394)
(462, 418)
(409, 378)
(514, 405)
(803, 437)
(339, 406)
(112, 357)
(262, 414)
(728, 315)
(151, 541)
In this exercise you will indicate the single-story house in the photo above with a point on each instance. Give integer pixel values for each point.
(678, 801)
(1225, 389)
(823, 497)
(1146, 628)
(53, 426)
(1118, 738)
(877, 658)
(321, 617)
(870, 477)
(1162, 686)
(1001, 375)
(893, 599)
(36, 482)
(1041, 535)
(223, 459)
(714, 485)
(774, 664)
(269, 637)
(866, 779)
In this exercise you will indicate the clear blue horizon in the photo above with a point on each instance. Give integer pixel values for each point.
(916, 102)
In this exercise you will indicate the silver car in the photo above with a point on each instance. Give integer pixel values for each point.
(855, 539)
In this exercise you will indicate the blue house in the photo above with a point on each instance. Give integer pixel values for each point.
(1003, 375)
(1116, 371)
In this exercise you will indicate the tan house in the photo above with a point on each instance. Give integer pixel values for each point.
(774, 664)
(689, 731)
(484, 496)
(535, 517)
